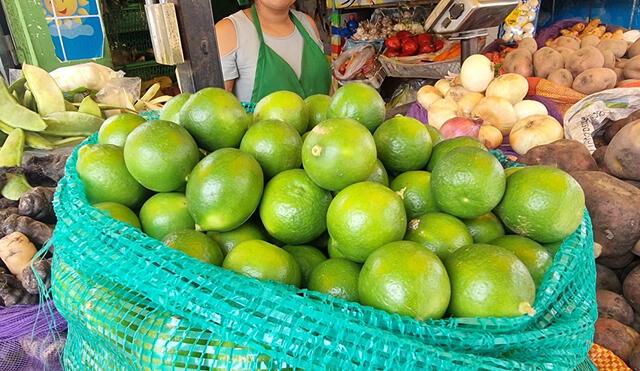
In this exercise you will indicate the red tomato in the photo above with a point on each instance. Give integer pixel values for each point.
(424, 38)
(409, 47)
(426, 49)
(391, 53)
(393, 43)
(404, 34)
(438, 45)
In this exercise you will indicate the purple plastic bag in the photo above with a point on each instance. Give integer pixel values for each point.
(32, 337)
(553, 31)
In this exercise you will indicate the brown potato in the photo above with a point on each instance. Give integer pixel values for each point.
(618, 47)
(622, 62)
(598, 141)
(606, 279)
(598, 156)
(519, 61)
(595, 80)
(590, 40)
(613, 127)
(529, 44)
(570, 42)
(631, 288)
(634, 49)
(614, 306)
(619, 74)
(614, 207)
(561, 77)
(568, 155)
(634, 358)
(547, 60)
(623, 153)
(584, 59)
(609, 58)
(617, 337)
(632, 68)
(616, 262)
(566, 52)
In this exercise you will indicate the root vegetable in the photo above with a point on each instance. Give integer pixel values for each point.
(634, 358)
(632, 68)
(490, 136)
(476, 73)
(584, 59)
(6, 203)
(609, 59)
(460, 127)
(615, 262)
(16, 251)
(617, 337)
(631, 288)
(534, 131)
(50, 166)
(614, 207)
(590, 40)
(614, 127)
(565, 154)
(598, 156)
(619, 76)
(519, 61)
(547, 60)
(427, 95)
(606, 279)
(614, 306)
(634, 49)
(41, 272)
(528, 108)
(622, 62)
(497, 112)
(623, 153)
(468, 103)
(11, 291)
(456, 93)
(441, 111)
(510, 86)
(529, 44)
(570, 42)
(595, 80)
(561, 77)
(565, 52)
(618, 47)
(38, 204)
(37, 232)
(47, 349)
(443, 86)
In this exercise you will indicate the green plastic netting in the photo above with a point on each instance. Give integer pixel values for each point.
(134, 304)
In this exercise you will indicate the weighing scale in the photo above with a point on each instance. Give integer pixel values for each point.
(468, 20)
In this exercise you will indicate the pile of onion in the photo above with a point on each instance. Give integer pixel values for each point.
(534, 131)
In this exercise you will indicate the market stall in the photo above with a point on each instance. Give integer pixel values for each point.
(486, 216)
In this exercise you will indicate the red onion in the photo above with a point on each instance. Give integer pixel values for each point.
(461, 127)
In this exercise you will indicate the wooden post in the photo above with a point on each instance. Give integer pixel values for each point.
(202, 66)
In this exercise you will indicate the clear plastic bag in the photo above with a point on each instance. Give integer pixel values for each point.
(120, 92)
(356, 59)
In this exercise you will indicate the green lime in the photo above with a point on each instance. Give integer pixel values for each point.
(436, 135)
(379, 174)
(230, 239)
(446, 146)
(102, 170)
(317, 105)
(336, 277)
(195, 244)
(286, 106)
(171, 110)
(403, 144)
(553, 247)
(509, 171)
(365, 216)
(415, 189)
(215, 118)
(263, 261)
(119, 212)
(224, 189)
(485, 228)
(441, 233)
(489, 281)
(308, 257)
(116, 129)
(404, 277)
(468, 182)
(293, 208)
(160, 155)
(542, 203)
(334, 250)
(338, 153)
(358, 102)
(275, 144)
(537, 259)
(164, 213)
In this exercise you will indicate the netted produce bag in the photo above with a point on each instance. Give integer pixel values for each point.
(133, 303)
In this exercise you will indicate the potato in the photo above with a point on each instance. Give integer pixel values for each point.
(561, 77)
(614, 306)
(624, 272)
(637, 185)
(634, 49)
(634, 358)
(598, 156)
(598, 141)
(631, 288)
(614, 127)
(606, 279)
(623, 154)
(619, 75)
(547, 60)
(609, 59)
(617, 337)
(584, 59)
(590, 40)
(570, 42)
(632, 68)
(616, 262)
(519, 61)
(620, 63)
(564, 51)
(529, 44)
(618, 47)
(565, 154)
(594, 80)
(614, 207)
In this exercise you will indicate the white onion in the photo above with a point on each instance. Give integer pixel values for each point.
(441, 111)
(528, 108)
(468, 103)
(476, 73)
(443, 85)
(490, 136)
(534, 131)
(497, 112)
(427, 95)
(511, 86)
(456, 93)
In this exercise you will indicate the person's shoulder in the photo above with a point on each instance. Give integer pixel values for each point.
(226, 35)
(309, 19)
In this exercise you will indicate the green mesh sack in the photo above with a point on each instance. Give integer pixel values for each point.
(134, 304)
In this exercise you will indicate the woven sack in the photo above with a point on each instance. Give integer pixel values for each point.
(133, 303)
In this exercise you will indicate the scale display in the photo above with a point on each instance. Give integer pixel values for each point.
(454, 16)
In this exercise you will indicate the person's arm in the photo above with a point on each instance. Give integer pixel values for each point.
(227, 44)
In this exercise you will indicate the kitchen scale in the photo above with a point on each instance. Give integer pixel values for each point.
(468, 20)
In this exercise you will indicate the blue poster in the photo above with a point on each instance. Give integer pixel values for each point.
(76, 28)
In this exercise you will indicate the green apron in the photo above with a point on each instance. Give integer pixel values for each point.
(273, 73)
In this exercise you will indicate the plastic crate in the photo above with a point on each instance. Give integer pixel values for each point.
(148, 70)
(130, 18)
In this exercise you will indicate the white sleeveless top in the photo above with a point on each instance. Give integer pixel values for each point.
(240, 64)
